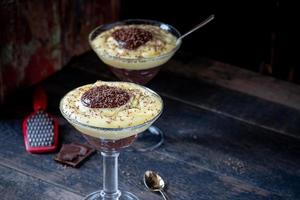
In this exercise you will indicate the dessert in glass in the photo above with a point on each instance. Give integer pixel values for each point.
(110, 115)
(134, 50)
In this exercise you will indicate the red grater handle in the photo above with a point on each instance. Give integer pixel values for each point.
(39, 99)
(40, 129)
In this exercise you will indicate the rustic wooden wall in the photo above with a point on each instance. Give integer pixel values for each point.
(38, 37)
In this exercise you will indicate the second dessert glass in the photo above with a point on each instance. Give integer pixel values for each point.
(110, 149)
(138, 70)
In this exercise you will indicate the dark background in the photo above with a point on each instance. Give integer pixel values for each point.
(249, 34)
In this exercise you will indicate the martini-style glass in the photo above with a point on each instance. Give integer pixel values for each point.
(103, 139)
(137, 70)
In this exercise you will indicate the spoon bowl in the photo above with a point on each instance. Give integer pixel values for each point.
(155, 183)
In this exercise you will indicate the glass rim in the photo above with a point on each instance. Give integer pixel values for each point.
(149, 21)
(115, 129)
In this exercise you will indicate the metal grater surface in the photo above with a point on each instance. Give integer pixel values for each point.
(40, 129)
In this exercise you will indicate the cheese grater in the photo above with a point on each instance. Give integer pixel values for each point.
(40, 129)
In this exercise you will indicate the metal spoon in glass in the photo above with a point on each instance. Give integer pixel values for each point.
(155, 183)
(206, 21)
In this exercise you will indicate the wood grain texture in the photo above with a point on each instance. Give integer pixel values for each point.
(252, 110)
(212, 150)
(239, 79)
(227, 146)
(185, 180)
(15, 185)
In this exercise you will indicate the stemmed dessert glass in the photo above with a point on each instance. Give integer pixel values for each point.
(137, 70)
(103, 139)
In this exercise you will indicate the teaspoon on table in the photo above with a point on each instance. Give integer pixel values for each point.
(155, 183)
(203, 23)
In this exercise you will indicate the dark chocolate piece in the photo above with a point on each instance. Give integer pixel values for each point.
(73, 154)
(104, 97)
(131, 38)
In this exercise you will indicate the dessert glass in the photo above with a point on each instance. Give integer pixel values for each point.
(137, 70)
(110, 150)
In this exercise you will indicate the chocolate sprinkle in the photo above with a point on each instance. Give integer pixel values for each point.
(105, 97)
(131, 38)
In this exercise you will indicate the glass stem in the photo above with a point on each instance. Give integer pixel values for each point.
(110, 175)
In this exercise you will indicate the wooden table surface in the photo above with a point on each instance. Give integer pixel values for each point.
(219, 144)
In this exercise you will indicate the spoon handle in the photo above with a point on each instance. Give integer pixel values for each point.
(203, 23)
(164, 195)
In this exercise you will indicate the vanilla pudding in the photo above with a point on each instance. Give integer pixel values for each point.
(134, 46)
(111, 110)
(135, 49)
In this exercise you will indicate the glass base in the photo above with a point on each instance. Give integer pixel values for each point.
(98, 196)
(149, 140)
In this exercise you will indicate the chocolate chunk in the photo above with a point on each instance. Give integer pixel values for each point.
(105, 97)
(131, 38)
(68, 156)
(73, 154)
(70, 152)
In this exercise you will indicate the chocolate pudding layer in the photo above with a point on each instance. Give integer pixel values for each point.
(110, 144)
(135, 76)
(111, 110)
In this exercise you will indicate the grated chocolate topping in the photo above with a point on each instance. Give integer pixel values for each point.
(132, 38)
(104, 97)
